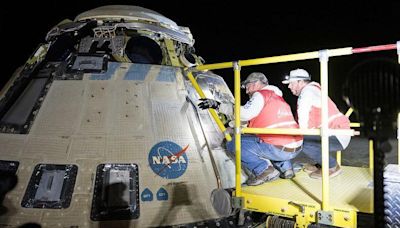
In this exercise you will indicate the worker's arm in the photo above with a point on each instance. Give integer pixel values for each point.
(304, 104)
(252, 107)
(310, 96)
(250, 110)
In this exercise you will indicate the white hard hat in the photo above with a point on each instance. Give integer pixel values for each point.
(295, 75)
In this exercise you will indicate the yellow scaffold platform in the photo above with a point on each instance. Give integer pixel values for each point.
(350, 192)
(328, 201)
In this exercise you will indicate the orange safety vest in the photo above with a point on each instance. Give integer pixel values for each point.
(336, 119)
(276, 113)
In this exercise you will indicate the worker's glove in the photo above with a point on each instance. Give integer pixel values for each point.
(208, 103)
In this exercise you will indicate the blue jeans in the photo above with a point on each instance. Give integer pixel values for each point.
(257, 155)
(312, 148)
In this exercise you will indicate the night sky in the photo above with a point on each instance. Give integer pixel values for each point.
(228, 30)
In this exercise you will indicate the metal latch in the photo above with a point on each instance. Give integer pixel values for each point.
(325, 217)
(301, 207)
(237, 202)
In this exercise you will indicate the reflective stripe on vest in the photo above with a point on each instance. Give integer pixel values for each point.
(275, 113)
(336, 119)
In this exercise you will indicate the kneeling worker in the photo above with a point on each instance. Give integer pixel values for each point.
(265, 109)
(309, 116)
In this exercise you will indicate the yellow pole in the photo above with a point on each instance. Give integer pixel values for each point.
(291, 131)
(277, 59)
(339, 157)
(339, 153)
(215, 66)
(212, 111)
(281, 58)
(355, 125)
(349, 112)
(238, 156)
(323, 58)
(371, 169)
(371, 157)
(295, 57)
(280, 131)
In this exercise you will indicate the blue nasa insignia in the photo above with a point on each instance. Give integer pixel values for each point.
(168, 160)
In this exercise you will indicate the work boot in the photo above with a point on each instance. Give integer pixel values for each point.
(309, 168)
(297, 167)
(269, 174)
(333, 172)
(288, 174)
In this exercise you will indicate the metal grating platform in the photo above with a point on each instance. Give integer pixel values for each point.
(351, 190)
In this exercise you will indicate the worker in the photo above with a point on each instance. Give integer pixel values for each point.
(309, 117)
(266, 156)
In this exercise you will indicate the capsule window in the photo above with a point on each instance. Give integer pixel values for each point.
(144, 50)
(116, 192)
(51, 186)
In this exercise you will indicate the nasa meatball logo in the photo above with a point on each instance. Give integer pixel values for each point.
(168, 160)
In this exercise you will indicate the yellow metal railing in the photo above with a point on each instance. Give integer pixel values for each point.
(323, 59)
(324, 131)
(238, 154)
(276, 59)
(339, 152)
(348, 113)
(371, 156)
(291, 131)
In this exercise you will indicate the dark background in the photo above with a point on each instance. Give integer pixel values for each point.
(232, 30)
